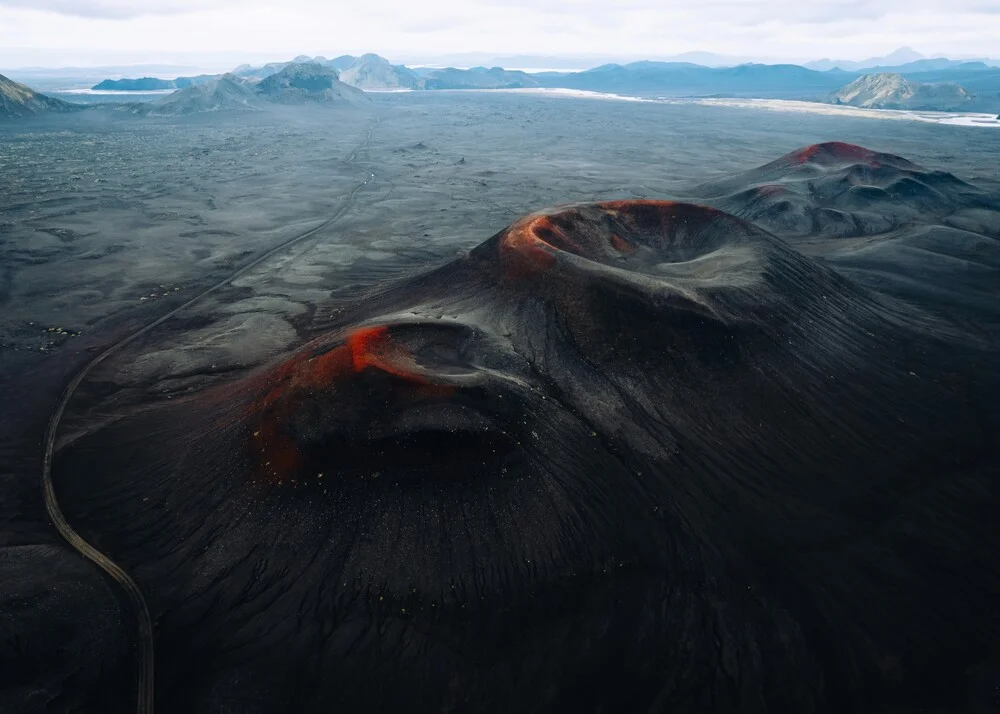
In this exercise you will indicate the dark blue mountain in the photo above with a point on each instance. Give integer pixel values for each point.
(685, 79)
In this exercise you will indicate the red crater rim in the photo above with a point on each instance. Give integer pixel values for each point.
(839, 153)
(309, 376)
(603, 232)
(830, 152)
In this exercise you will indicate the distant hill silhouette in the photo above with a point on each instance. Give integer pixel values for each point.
(373, 72)
(893, 91)
(685, 79)
(149, 84)
(267, 70)
(901, 56)
(308, 82)
(480, 78)
(228, 93)
(19, 100)
(144, 84)
(341, 63)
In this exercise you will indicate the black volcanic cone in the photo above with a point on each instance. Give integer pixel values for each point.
(627, 456)
(838, 189)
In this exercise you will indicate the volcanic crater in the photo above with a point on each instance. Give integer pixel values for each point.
(635, 440)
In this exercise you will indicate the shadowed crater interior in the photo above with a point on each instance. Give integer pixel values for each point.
(407, 402)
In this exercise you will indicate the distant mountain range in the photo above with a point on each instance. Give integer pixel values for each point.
(295, 83)
(686, 79)
(926, 84)
(903, 57)
(979, 80)
(148, 84)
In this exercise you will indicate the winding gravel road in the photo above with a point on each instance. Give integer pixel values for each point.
(145, 673)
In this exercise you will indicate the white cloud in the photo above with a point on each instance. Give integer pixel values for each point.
(157, 30)
(114, 9)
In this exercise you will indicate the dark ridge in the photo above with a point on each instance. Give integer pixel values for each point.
(18, 101)
(839, 189)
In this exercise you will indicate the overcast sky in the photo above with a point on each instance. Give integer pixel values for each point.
(219, 31)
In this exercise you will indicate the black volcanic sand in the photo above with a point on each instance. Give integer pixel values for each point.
(622, 456)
